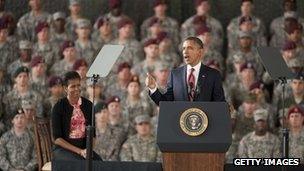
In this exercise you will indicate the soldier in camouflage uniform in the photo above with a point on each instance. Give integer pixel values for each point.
(44, 47)
(161, 73)
(38, 76)
(132, 52)
(103, 33)
(167, 54)
(109, 138)
(202, 17)
(169, 24)
(277, 32)
(13, 36)
(295, 34)
(8, 53)
(27, 23)
(134, 104)
(117, 85)
(98, 91)
(151, 49)
(86, 48)
(246, 11)
(17, 150)
(260, 143)
(210, 51)
(21, 91)
(247, 52)
(296, 135)
(142, 146)
(58, 33)
(75, 14)
(232, 151)
(25, 53)
(55, 85)
(69, 55)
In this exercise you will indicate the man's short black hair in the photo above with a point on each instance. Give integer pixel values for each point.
(196, 40)
(71, 75)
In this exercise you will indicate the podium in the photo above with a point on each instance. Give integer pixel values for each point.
(201, 152)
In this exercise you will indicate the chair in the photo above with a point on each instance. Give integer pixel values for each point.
(43, 142)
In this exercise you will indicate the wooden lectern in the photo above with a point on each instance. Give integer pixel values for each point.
(182, 152)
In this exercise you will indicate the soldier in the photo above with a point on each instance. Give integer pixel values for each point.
(118, 84)
(38, 75)
(55, 85)
(154, 29)
(296, 136)
(25, 53)
(277, 32)
(86, 48)
(151, 49)
(233, 78)
(8, 53)
(109, 138)
(30, 113)
(260, 143)
(169, 24)
(69, 55)
(27, 23)
(132, 52)
(202, 17)
(210, 52)
(232, 151)
(21, 91)
(142, 146)
(98, 91)
(295, 65)
(17, 150)
(161, 74)
(167, 54)
(12, 36)
(294, 33)
(58, 30)
(44, 47)
(103, 34)
(282, 122)
(116, 115)
(244, 121)
(75, 14)
(81, 67)
(246, 11)
(5, 81)
(134, 104)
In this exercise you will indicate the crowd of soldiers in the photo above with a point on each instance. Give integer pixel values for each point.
(38, 48)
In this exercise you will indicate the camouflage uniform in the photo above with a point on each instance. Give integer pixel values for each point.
(108, 143)
(140, 150)
(61, 67)
(40, 85)
(17, 152)
(233, 149)
(169, 25)
(87, 52)
(143, 68)
(253, 146)
(48, 51)
(172, 59)
(244, 125)
(27, 23)
(115, 89)
(211, 54)
(8, 54)
(57, 38)
(188, 29)
(296, 146)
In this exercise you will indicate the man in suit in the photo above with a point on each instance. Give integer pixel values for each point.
(191, 82)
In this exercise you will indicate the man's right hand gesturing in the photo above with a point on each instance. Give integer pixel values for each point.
(150, 81)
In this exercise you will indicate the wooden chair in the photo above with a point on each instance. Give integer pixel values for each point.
(43, 142)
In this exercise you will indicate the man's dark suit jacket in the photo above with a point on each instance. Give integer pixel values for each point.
(208, 88)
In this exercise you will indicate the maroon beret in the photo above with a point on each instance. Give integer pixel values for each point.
(40, 26)
(203, 29)
(101, 21)
(8, 17)
(135, 79)
(245, 19)
(123, 22)
(295, 109)
(161, 36)
(67, 44)
(123, 65)
(150, 42)
(55, 80)
(79, 63)
(199, 20)
(3, 23)
(112, 99)
(114, 4)
(36, 60)
(247, 1)
(289, 45)
(198, 2)
(213, 62)
(256, 85)
(247, 65)
(159, 2)
(293, 27)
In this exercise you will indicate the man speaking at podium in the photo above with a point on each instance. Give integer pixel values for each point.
(191, 82)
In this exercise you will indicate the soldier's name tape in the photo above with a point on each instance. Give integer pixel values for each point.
(266, 161)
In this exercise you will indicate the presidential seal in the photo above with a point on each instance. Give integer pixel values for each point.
(193, 122)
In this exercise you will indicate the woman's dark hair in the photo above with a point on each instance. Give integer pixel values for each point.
(71, 75)
(196, 41)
